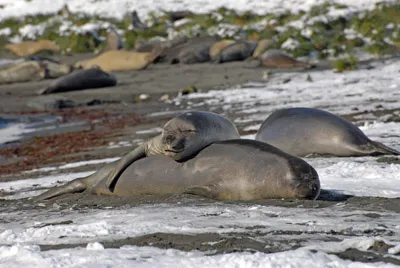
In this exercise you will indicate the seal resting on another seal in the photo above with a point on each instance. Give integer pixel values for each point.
(29, 48)
(307, 131)
(216, 49)
(275, 58)
(182, 137)
(225, 170)
(119, 60)
(81, 79)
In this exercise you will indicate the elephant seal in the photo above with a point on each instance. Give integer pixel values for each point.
(114, 40)
(22, 72)
(308, 131)
(262, 45)
(81, 79)
(29, 48)
(182, 137)
(238, 51)
(216, 48)
(119, 60)
(32, 71)
(275, 58)
(225, 170)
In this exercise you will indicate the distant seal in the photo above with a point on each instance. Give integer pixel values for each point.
(182, 137)
(32, 71)
(238, 51)
(29, 48)
(79, 80)
(275, 58)
(114, 40)
(308, 131)
(119, 60)
(216, 48)
(262, 45)
(225, 170)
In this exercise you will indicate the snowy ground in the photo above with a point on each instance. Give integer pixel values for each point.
(319, 231)
(118, 8)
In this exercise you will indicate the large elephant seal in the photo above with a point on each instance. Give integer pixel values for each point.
(275, 58)
(238, 51)
(225, 170)
(182, 137)
(29, 48)
(79, 80)
(119, 60)
(307, 131)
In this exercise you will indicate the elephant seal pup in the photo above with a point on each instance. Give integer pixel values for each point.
(275, 58)
(225, 170)
(238, 51)
(81, 79)
(216, 49)
(307, 131)
(22, 72)
(182, 137)
(119, 60)
(29, 48)
(262, 45)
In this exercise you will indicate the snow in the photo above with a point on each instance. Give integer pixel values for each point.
(143, 257)
(118, 8)
(21, 234)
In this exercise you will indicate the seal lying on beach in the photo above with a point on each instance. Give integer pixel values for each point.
(275, 58)
(32, 71)
(29, 48)
(182, 137)
(238, 51)
(216, 48)
(81, 79)
(307, 131)
(225, 170)
(119, 60)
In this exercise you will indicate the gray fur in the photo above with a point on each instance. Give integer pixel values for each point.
(238, 51)
(81, 79)
(308, 131)
(225, 170)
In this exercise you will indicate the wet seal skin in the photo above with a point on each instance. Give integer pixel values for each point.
(309, 131)
(235, 169)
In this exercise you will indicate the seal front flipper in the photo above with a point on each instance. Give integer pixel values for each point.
(123, 163)
(210, 191)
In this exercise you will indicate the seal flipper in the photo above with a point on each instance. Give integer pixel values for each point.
(138, 153)
(75, 186)
(210, 191)
(383, 149)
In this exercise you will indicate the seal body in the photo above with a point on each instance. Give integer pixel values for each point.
(262, 45)
(275, 58)
(118, 60)
(29, 48)
(216, 48)
(308, 131)
(22, 72)
(238, 51)
(182, 138)
(225, 170)
(81, 79)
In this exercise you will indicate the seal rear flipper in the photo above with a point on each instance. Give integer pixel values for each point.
(383, 149)
(75, 186)
(210, 191)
